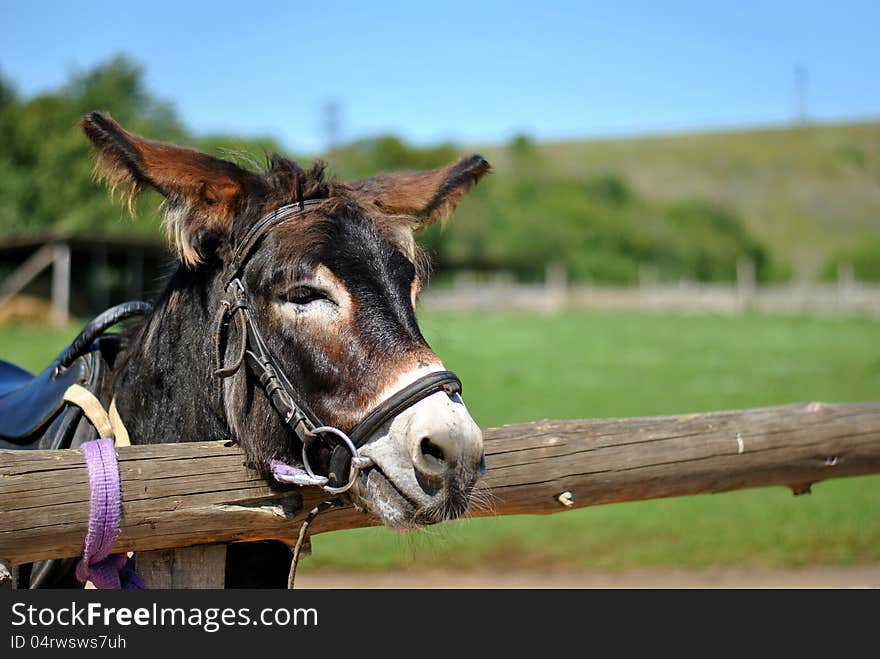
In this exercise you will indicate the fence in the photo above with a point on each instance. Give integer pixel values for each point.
(499, 292)
(191, 499)
(75, 275)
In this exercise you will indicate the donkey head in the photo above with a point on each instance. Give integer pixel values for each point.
(333, 292)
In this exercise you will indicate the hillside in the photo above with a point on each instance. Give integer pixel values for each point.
(805, 192)
(791, 200)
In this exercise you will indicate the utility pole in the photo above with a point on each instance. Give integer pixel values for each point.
(801, 82)
(331, 124)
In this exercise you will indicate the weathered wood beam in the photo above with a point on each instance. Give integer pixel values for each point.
(178, 495)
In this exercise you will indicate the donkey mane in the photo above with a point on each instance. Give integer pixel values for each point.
(289, 182)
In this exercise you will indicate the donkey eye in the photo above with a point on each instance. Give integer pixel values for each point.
(305, 295)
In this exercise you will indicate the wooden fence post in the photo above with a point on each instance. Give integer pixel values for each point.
(745, 282)
(202, 566)
(60, 283)
(26, 272)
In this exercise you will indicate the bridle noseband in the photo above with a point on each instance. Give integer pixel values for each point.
(345, 459)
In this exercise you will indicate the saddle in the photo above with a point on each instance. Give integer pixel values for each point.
(36, 411)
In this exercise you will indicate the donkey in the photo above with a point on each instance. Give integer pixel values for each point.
(331, 273)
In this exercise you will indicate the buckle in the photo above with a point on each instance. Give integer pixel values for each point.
(358, 461)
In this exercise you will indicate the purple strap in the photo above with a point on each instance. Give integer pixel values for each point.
(104, 570)
(290, 475)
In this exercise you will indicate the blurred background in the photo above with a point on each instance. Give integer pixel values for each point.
(684, 216)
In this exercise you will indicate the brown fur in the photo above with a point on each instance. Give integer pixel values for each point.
(202, 193)
(423, 197)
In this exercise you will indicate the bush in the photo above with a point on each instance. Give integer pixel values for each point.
(598, 229)
(712, 240)
(608, 189)
(864, 259)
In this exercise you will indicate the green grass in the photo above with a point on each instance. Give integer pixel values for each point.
(520, 368)
(837, 524)
(33, 347)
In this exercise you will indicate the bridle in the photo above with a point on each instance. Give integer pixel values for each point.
(345, 458)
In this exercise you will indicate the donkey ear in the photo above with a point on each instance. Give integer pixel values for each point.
(202, 192)
(428, 196)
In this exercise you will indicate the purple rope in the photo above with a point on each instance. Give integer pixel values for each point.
(104, 570)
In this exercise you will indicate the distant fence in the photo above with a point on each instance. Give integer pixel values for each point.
(499, 292)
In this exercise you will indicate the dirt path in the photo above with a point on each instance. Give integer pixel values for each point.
(807, 577)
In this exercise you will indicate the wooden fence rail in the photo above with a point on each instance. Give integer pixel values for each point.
(179, 495)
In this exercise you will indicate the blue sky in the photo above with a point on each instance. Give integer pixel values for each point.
(472, 72)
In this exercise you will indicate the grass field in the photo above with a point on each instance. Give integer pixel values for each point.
(520, 368)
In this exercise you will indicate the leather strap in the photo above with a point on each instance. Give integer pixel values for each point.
(430, 384)
(119, 429)
(259, 229)
(108, 424)
(256, 354)
(425, 386)
(92, 408)
(98, 325)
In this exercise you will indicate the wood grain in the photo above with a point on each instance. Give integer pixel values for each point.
(203, 566)
(179, 495)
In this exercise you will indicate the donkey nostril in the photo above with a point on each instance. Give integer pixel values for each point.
(432, 453)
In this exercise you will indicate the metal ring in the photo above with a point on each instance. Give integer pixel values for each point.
(353, 470)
